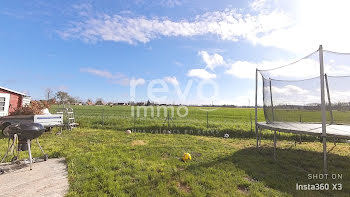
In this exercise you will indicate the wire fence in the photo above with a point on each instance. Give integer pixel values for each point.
(233, 121)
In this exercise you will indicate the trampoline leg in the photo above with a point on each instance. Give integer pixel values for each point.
(260, 137)
(257, 137)
(300, 139)
(325, 154)
(30, 154)
(274, 145)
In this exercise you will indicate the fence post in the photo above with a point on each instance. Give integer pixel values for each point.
(251, 122)
(134, 121)
(207, 120)
(103, 117)
(168, 122)
(233, 116)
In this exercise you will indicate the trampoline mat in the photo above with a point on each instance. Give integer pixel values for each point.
(339, 131)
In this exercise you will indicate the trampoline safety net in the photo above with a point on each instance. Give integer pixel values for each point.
(291, 93)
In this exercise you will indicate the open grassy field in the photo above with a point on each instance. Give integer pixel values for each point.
(204, 121)
(234, 120)
(112, 163)
(221, 119)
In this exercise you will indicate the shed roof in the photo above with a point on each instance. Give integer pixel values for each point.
(9, 90)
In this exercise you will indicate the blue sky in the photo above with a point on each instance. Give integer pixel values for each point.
(94, 49)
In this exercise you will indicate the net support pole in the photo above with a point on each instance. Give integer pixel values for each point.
(256, 109)
(329, 99)
(274, 145)
(273, 114)
(323, 110)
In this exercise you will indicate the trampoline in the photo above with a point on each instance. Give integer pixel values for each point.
(310, 96)
(335, 131)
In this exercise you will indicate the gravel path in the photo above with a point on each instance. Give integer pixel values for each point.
(47, 178)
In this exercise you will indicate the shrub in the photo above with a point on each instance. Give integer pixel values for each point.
(35, 108)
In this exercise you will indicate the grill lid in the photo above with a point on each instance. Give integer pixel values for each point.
(26, 130)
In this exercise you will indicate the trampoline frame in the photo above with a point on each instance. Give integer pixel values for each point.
(323, 112)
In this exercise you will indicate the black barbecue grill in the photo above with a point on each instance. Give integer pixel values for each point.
(21, 135)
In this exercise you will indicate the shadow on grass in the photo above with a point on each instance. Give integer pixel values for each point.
(291, 167)
(261, 171)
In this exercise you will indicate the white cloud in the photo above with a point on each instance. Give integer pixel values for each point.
(294, 93)
(295, 70)
(117, 78)
(137, 82)
(289, 90)
(201, 73)
(170, 3)
(246, 69)
(257, 4)
(100, 73)
(212, 61)
(171, 80)
(229, 24)
(177, 63)
(314, 22)
(340, 96)
(337, 69)
(242, 69)
(122, 81)
(246, 99)
(297, 26)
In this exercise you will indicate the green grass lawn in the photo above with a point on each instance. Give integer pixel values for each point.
(112, 163)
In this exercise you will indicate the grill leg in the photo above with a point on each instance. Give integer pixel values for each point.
(7, 152)
(13, 144)
(46, 157)
(30, 154)
(42, 150)
(10, 148)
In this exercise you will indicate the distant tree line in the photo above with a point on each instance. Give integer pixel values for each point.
(59, 97)
(62, 97)
(340, 106)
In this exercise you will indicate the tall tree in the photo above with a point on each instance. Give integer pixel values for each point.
(48, 93)
(62, 96)
(99, 101)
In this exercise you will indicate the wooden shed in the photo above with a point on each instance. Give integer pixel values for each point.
(10, 100)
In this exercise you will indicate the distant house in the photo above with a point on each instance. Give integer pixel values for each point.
(10, 100)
